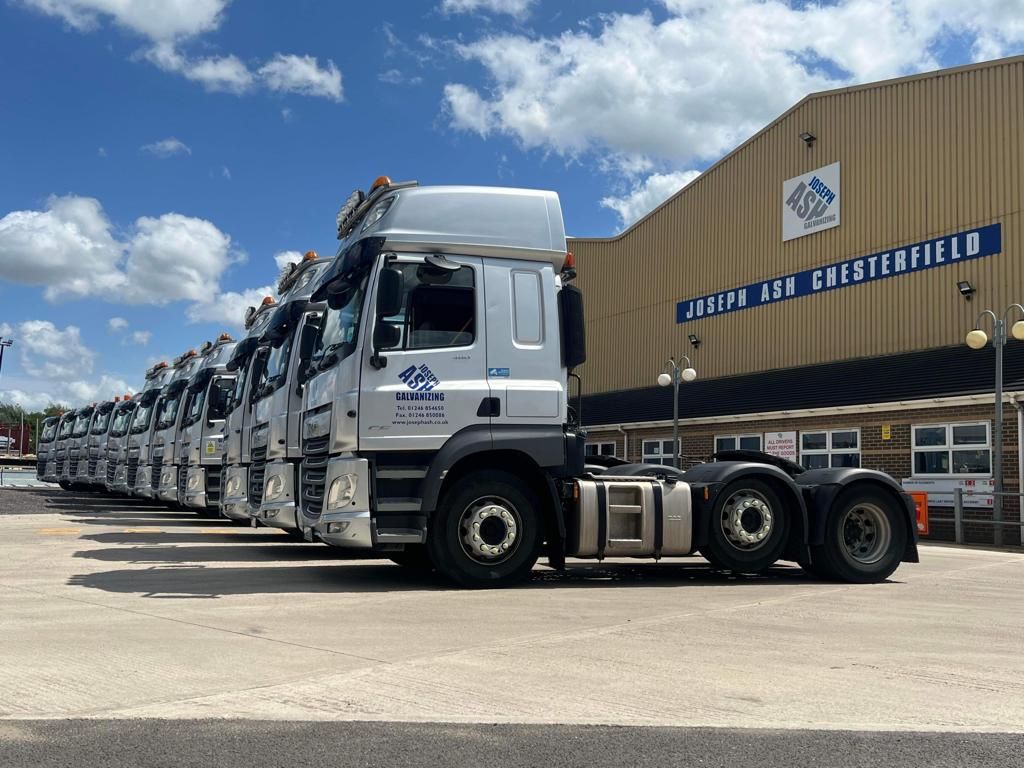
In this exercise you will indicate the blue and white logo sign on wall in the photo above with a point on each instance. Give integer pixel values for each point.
(810, 202)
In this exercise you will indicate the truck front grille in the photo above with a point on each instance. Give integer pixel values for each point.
(314, 475)
(131, 470)
(111, 470)
(40, 468)
(94, 460)
(154, 474)
(256, 474)
(213, 473)
(73, 468)
(182, 480)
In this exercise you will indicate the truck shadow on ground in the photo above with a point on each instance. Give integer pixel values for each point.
(171, 577)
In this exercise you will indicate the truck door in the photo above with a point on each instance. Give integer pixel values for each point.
(524, 367)
(434, 382)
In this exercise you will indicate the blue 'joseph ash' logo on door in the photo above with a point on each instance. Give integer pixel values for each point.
(420, 379)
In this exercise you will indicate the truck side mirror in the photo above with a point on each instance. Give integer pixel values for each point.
(570, 316)
(386, 336)
(307, 343)
(389, 293)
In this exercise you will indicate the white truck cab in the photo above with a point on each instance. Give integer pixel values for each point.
(437, 426)
(46, 466)
(165, 453)
(116, 480)
(246, 363)
(77, 464)
(65, 426)
(138, 472)
(277, 399)
(202, 427)
(96, 473)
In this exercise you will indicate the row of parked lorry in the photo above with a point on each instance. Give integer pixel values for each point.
(412, 396)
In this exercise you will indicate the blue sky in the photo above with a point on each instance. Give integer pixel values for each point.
(156, 156)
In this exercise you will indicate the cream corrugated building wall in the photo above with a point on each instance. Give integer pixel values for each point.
(912, 160)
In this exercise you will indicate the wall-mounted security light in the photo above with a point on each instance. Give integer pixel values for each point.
(808, 138)
(966, 289)
(694, 339)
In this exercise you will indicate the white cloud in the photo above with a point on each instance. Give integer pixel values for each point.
(516, 8)
(287, 115)
(634, 89)
(284, 258)
(155, 19)
(647, 195)
(167, 148)
(228, 308)
(101, 152)
(288, 73)
(174, 257)
(70, 248)
(215, 73)
(116, 324)
(395, 76)
(49, 352)
(225, 172)
(141, 337)
(168, 25)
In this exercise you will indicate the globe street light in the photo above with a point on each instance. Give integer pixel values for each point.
(674, 374)
(977, 339)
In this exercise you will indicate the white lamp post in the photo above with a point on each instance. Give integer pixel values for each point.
(674, 374)
(977, 339)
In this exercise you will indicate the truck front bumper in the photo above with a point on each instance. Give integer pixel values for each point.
(168, 490)
(143, 489)
(99, 478)
(195, 488)
(277, 508)
(346, 520)
(233, 503)
(120, 484)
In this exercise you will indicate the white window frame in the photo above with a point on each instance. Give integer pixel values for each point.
(661, 457)
(599, 443)
(737, 438)
(949, 447)
(828, 450)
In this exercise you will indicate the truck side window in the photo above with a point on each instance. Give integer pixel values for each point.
(434, 313)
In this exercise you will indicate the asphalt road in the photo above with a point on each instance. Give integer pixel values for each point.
(233, 744)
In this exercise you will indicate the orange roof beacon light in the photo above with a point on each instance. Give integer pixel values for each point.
(311, 256)
(225, 337)
(267, 301)
(380, 181)
(569, 267)
(127, 396)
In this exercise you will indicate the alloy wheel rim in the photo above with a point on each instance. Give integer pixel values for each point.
(489, 530)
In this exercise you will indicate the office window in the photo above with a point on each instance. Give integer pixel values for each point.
(952, 449)
(600, 449)
(830, 448)
(657, 452)
(737, 442)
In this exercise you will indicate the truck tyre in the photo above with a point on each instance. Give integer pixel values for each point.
(747, 528)
(414, 557)
(487, 531)
(865, 535)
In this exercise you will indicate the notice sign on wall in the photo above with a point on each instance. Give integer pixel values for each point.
(781, 444)
(810, 203)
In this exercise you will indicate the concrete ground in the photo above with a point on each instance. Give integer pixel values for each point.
(111, 609)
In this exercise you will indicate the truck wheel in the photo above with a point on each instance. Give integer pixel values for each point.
(748, 527)
(414, 557)
(487, 531)
(865, 535)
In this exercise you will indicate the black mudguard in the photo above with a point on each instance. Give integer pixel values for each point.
(820, 487)
(707, 481)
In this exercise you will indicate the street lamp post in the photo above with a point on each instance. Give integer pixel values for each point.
(4, 343)
(674, 374)
(977, 339)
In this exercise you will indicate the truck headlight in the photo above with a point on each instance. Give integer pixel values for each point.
(342, 489)
(193, 481)
(233, 486)
(317, 426)
(274, 488)
(167, 477)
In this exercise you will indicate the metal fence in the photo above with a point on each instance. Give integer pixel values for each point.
(958, 514)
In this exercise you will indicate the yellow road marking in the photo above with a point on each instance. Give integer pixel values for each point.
(59, 531)
(216, 530)
(142, 530)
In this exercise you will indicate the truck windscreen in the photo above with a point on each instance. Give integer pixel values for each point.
(195, 407)
(339, 330)
(143, 414)
(100, 423)
(65, 428)
(168, 411)
(122, 420)
(82, 425)
(49, 432)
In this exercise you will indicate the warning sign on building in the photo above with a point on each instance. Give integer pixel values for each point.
(781, 444)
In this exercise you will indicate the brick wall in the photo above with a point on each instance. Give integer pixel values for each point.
(892, 456)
